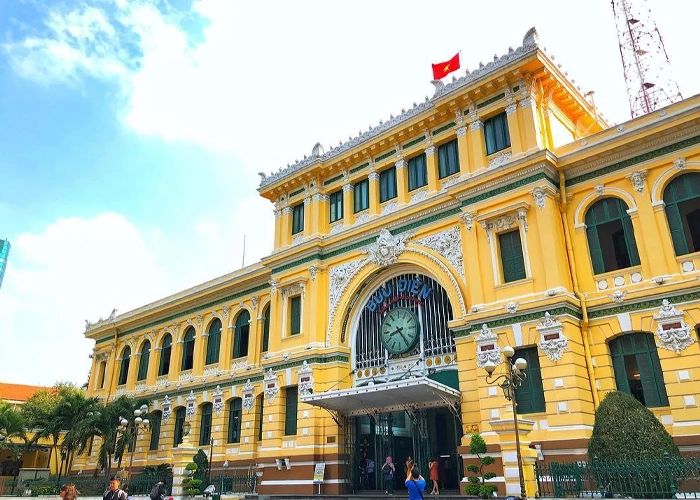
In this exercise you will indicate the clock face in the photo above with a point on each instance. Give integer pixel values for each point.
(400, 330)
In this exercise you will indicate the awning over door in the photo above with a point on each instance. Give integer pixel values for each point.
(412, 393)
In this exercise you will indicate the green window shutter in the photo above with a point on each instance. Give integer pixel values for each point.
(658, 373)
(266, 329)
(188, 350)
(290, 411)
(165, 352)
(213, 342)
(124, 369)
(234, 421)
(295, 315)
(496, 133)
(335, 206)
(417, 172)
(630, 240)
(241, 334)
(361, 196)
(262, 417)
(595, 250)
(530, 395)
(179, 421)
(387, 184)
(205, 425)
(618, 361)
(448, 159)
(143, 362)
(512, 260)
(652, 379)
(155, 430)
(298, 218)
(675, 225)
(103, 370)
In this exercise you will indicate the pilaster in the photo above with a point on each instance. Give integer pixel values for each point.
(373, 177)
(641, 240)
(278, 228)
(516, 141)
(320, 209)
(402, 181)
(312, 217)
(666, 243)
(199, 348)
(477, 146)
(530, 125)
(650, 237)
(286, 226)
(182, 455)
(225, 355)
(470, 246)
(348, 204)
(463, 150)
(505, 429)
(432, 168)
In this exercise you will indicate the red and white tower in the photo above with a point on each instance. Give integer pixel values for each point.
(650, 84)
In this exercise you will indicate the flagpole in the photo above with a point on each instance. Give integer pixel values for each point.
(243, 264)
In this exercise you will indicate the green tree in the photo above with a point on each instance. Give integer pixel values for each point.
(477, 483)
(12, 424)
(624, 429)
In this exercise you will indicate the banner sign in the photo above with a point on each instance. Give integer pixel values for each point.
(411, 289)
(319, 472)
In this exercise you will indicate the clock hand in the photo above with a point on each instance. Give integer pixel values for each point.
(404, 338)
(398, 330)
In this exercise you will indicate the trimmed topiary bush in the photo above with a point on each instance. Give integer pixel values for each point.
(477, 483)
(625, 430)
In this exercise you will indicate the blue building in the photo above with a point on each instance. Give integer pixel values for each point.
(4, 253)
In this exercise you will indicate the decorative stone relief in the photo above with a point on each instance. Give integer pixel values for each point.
(618, 296)
(637, 179)
(271, 387)
(475, 125)
(225, 311)
(449, 182)
(218, 400)
(306, 379)
(429, 151)
(337, 227)
(461, 131)
(599, 189)
(361, 219)
(448, 243)
(679, 163)
(390, 207)
(504, 222)
(167, 409)
(312, 271)
(540, 196)
(297, 239)
(293, 289)
(487, 348)
(387, 249)
(511, 108)
(248, 399)
(500, 159)
(512, 307)
(191, 408)
(553, 343)
(340, 277)
(673, 333)
(273, 287)
(211, 371)
(468, 219)
(419, 195)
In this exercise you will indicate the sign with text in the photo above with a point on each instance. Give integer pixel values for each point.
(411, 289)
(319, 472)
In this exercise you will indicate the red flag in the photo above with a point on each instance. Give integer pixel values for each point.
(441, 70)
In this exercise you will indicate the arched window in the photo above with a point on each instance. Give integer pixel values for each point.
(205, 424)
(682, 200)
(124, 370)
(637, 368)
(241, 334)
(165, 350)
(156, 418)
(234, 420)
(610, 236)
(214, 342)
(179, 422)
(143, 361)
(266, 328)
(188, 349)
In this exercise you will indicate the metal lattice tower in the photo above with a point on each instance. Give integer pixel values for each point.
(650, 84)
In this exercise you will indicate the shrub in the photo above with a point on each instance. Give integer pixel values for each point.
(626, 430)
(477, 483)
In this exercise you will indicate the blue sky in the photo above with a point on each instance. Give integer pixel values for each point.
(131, 132)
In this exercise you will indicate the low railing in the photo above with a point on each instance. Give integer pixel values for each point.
(241, 483)
(663, 478)
(86, 485)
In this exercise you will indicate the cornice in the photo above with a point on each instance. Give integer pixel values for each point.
(442, 91)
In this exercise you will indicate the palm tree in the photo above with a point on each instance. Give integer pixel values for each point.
(70, 415)
(11, 424)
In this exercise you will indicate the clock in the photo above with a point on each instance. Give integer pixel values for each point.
(400, 330)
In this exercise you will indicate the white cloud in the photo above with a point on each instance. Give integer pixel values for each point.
(56, 279)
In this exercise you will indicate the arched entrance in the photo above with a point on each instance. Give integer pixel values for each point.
(405, 396)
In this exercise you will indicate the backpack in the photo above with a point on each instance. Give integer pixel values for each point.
(155, 492)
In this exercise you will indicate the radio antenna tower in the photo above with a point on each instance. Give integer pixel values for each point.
(650, 84)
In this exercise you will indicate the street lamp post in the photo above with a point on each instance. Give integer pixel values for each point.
(514, 377)
(131, 429)
(211, 456)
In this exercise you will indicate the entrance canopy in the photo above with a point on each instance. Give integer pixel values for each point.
(413, 393)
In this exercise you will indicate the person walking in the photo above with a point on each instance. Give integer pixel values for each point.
(433, 467)
(415, 484)
(114, 492)
(68, 492)
(388, 472)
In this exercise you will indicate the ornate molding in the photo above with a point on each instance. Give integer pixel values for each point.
(167, 409)
(553, 343)
(512, 307)
(297, 288)
(419, 195)
(539, 194)
(191, 408)
(447, 243)
(511, 108)
(476, 125)
(461, 131)
(306, 379)
(618, 296)
(271, 387)
(673, 333)
(679, 163)
(468, 219)
(387, 249)
(312, 272)
(637, 179)
(390, 207)
(430, 150)
(500, 159)
(599, 189)
(487, 348)
(340, 277)
(218, 400)
(248, 399)
(505, 222)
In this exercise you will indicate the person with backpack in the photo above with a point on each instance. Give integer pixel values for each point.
(114, 492)
(388, 471)
(158, 491)
(415, 484)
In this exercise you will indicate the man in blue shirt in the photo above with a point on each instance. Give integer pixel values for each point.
(415, 484)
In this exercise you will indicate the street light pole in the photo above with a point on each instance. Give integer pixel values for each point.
(132, 430)
(514, 377)
(211, 457)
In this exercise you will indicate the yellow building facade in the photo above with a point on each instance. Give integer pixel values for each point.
(502, 211)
